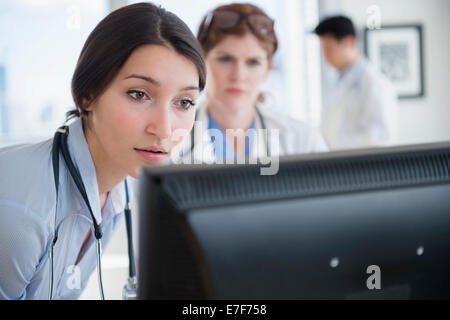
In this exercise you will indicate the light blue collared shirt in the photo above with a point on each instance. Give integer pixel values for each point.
(226, 151)
(27, 219)
(358, 67)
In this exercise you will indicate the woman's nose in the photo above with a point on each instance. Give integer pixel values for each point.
(160, 122)
(239, 72)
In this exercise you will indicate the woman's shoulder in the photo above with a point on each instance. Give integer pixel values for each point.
(300, 136)
(278, 120)
(25, 155)
(25, 159)
(25, 175)
(26, 172)
(41, 148)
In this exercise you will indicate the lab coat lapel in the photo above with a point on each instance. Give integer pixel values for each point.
(338, 111)
(203, 146)
(259, 147)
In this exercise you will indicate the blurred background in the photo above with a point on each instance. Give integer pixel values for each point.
(40, 41)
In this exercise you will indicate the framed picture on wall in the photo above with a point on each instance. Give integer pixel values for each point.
(3, 124)
(397, 51)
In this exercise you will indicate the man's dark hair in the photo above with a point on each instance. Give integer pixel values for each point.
(337, 26)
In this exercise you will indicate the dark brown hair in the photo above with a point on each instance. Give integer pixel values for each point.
(114, 39)
(216, 35)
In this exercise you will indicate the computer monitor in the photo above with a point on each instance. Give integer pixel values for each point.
(368, 224)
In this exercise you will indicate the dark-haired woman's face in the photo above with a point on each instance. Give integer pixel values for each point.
(145, 111)
(237, 67)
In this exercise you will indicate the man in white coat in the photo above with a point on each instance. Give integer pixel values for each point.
(360, 110)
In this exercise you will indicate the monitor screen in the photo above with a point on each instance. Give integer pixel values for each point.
(368, 224)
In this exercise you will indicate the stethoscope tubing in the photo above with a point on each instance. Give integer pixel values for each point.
(60, 146)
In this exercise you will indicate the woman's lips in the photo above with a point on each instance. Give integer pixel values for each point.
(151, 156)
(235, 91)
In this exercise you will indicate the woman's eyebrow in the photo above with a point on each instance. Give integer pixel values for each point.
(191, 88)
(148, 79)
(157, 83)
(232, 56)
(224, 53)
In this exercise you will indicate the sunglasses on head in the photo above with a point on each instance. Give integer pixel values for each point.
(227, 19)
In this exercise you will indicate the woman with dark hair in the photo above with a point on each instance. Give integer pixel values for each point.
(239, 43)
(138, 77)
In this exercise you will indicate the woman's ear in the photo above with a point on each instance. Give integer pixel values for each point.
(270, 62)
(269, 67)
(87, 103)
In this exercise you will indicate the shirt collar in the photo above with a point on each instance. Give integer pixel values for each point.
(115, 202)
(118, 197)
(354, 66)
(82, 159)
(227, 150)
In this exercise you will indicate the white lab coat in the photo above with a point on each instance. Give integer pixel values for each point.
(361, 111)
(295, 137)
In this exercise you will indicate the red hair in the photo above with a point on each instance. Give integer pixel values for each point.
(216, 35)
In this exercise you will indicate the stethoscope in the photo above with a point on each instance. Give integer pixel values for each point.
(60, 145)
(261, 120)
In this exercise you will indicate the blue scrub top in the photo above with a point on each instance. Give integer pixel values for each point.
(27, 219)
(224, 150)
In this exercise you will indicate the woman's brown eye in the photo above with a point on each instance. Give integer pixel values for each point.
(137, 95)
(140, 95)
(186, 104)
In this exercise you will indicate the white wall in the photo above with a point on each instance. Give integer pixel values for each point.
(40, 41)
(424, 119)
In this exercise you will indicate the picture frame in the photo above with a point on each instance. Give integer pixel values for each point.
(397, 52)
(3, 123)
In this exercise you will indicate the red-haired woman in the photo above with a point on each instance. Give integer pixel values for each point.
(239, 43)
